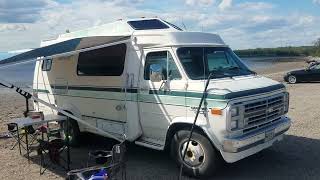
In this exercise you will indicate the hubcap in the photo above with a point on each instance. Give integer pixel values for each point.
(65, 130)
(292, 79)
(195, 154)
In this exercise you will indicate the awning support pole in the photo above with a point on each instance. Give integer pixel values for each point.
(204, 96)
(23, 93)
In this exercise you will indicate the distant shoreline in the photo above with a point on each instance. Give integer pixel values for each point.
(280, 51)
(270, 58)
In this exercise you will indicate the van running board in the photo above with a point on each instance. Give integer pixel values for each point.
(149, 144)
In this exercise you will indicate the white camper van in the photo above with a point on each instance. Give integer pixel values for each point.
(147, 83)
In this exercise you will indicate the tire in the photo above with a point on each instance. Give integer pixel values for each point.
(201, 161)
(74, 132)
(292, 79)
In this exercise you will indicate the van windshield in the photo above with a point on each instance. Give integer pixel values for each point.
(198, 62)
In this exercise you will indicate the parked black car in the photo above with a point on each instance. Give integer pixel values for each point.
(310, 74)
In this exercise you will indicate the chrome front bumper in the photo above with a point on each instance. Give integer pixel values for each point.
(234, 149)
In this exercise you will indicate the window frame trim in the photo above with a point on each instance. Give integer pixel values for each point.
(44, 62)
(168, 50)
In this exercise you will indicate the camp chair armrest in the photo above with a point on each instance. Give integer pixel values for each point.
(83, 170)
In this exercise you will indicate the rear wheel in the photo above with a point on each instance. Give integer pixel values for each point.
(292, 79)
(201, 158)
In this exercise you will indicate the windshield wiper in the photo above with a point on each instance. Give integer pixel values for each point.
(238, 68)
(214, 73)
(252, 72)
(233, 68)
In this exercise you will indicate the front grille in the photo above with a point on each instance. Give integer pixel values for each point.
(264, 111)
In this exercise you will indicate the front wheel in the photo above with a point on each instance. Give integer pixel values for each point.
(292, 79)
(201, 158)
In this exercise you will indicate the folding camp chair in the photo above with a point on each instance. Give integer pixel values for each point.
(53, 150)
(115, 170)
(20, 134)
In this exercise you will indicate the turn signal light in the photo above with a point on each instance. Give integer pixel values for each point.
(216, 111)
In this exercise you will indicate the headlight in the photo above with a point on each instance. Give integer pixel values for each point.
(234, 124)
(235, 118)
(234, 111)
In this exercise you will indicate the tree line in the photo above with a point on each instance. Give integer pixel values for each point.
(282, 51)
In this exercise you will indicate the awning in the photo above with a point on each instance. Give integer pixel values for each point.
(67, 47)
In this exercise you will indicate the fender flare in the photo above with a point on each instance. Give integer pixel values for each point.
(74, 111)
(175, 126)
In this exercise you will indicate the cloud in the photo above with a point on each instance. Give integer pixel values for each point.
(267, 24)
(12, 27)
(242, 25)
(55, 18)
(251, 25)
(225, 4)
(317, 2)
(199, 2)
(26, 11)
(255, 6)
(86, 13)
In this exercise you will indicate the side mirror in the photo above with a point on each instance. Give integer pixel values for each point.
(156, 73)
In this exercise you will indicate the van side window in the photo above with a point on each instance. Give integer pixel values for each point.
(108, 61)
(162, 62)
(46, 65)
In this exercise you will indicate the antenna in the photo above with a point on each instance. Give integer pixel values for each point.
(184, 26)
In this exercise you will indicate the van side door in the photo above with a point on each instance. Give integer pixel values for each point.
(162, 93)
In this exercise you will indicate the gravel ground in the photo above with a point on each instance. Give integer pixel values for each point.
(296, 157)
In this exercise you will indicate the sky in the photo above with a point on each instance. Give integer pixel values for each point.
(241, 23)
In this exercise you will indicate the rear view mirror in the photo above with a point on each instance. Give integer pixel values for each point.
(156, 73)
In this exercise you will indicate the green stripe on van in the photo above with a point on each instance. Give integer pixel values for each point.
(154, 96)
(41, 90)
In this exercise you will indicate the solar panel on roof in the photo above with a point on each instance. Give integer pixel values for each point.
(147, 24)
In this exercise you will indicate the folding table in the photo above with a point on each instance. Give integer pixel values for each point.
(25, 122)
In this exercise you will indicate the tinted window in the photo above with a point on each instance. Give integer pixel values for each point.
(147, 24)
(315, 67)
(164, 62)
(108, 61)
(46, 65)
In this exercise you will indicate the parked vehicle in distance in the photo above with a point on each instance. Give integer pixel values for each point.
(148, 85)
(310, 74)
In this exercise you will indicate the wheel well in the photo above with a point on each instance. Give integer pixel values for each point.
(181, 126)
(74, 121)
(59, 113)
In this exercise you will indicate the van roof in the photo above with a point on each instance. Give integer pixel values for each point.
(145, 32)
